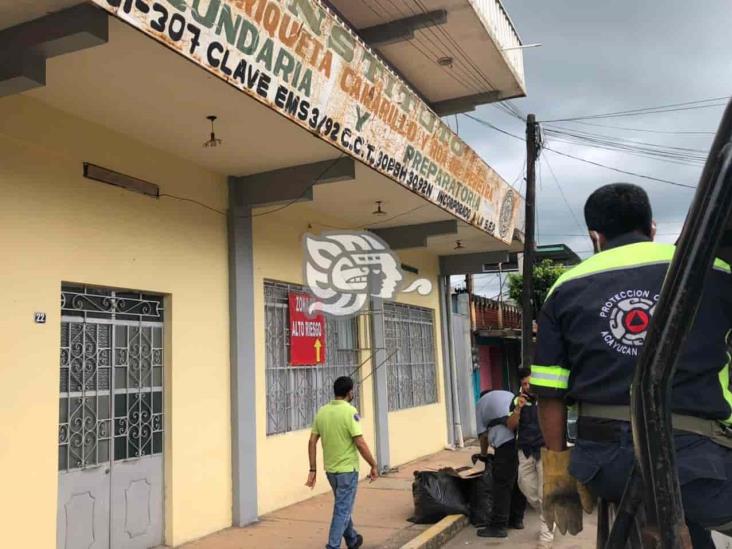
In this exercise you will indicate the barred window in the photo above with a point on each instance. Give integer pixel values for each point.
(410, 348)
(294, 393)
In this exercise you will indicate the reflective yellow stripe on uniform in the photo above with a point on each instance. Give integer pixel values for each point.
(624, 257)
(724, 382)
(554, 377)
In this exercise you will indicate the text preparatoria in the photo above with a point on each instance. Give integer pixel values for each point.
(299, 59)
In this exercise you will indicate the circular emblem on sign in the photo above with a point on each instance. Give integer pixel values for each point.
(506, 215)
(629, 320)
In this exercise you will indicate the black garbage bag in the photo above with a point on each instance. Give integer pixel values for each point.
(481, 496)
(438, 494)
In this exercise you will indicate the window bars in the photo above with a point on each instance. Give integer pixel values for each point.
(294, 393)
(410, 344)
(111, 366)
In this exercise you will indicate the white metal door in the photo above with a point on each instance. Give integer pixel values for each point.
(110, 420)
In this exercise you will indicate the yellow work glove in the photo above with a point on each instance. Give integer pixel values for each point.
(564, 496)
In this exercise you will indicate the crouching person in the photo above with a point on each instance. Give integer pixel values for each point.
(496, 427)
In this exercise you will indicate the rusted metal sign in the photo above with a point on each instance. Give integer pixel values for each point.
(300, 60)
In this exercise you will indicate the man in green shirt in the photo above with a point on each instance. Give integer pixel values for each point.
(339, 426)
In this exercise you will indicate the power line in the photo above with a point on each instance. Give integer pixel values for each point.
(649, 110)
(423, 47)
(506, 106)
(646, 130)
(626, 172)
(655, 151)
(587, 235)
(614, 139)
(559, 186)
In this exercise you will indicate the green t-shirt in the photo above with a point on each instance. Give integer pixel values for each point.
(337, 423)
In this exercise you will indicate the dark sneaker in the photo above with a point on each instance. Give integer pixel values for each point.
(516, 525)
(492, 532)
(359, 542)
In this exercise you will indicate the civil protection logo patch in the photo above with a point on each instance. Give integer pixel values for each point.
(628, 315)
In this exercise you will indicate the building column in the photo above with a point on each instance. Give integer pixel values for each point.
(443, 283)
(381, 387)
(242, 358)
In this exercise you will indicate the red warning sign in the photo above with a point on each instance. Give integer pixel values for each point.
(307, 332)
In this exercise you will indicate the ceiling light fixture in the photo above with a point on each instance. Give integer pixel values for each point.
(378, 210)
(445, 62)
(459, 245)
(213, 141)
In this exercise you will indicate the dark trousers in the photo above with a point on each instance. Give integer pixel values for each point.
(509, 503)
(704, 469)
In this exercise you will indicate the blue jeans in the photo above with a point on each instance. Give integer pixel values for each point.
(344, 487)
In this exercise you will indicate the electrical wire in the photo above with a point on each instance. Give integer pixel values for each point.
(372, 225)
(587, 235)
(438, 30)
(618, 170)
(667, 153)
(561, 191)
(423, 48)
(260, 214)
(304, 192)
(611, 139)
(673, 107)
(184, 199)
(580, 159)
(645, 130)
(476, 75)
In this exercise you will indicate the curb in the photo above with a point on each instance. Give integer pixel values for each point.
(438, 534)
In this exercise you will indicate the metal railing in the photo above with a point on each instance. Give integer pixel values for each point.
(492, 315)
(496, 20)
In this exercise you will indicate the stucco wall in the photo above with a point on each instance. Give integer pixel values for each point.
(282, 459)
(56, 226)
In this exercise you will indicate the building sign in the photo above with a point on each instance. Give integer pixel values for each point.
(307, 332)
(299, 59)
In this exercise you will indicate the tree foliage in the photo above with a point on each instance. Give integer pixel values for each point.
(546, 274)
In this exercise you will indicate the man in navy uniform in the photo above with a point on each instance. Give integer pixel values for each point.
(591, 330)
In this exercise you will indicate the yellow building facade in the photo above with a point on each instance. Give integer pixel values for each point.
(146, 344)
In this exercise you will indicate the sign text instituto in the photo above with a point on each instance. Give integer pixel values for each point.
(302, 61)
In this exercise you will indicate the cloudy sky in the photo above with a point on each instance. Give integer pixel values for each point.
(609, 56)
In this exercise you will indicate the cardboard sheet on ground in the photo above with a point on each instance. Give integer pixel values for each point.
(471, 472)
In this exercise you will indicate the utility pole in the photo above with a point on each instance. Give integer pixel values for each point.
(527, 292)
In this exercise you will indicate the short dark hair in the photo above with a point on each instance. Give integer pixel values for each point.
(524, 373)
(617, 209)
(342, 386)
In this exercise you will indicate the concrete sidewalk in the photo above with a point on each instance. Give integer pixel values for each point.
(528, 538)
(380, 516)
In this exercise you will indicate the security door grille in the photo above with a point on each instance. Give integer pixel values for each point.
(410, 348)
(110, 418)
(294, 393)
